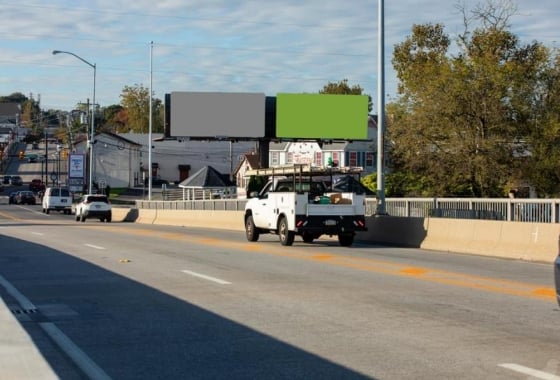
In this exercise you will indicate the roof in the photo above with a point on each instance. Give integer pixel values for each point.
(251, 159)
(283, 145)
(207, 177)
(121, 138)
(83, 138)
(9, 109)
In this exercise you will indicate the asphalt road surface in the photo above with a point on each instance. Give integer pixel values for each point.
(133, 301)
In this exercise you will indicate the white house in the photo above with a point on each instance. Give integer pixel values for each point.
(345, 153)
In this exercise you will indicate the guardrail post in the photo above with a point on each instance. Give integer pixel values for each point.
(407, 208)
(510, 206)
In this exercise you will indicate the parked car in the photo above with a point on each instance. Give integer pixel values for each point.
(12, 197)
(32, 157)
(57, 198)
(16, 180)
(557, 277)
(94, 206)
(6, 179)
(36, 185)
(25, 197)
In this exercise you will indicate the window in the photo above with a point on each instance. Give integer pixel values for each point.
(96, 198)
(290, 158)
(353, 158)
(319, 158)
(274, 158)
(369, 159)
(336, 158)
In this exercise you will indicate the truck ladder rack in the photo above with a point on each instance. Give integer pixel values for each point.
(304, 169)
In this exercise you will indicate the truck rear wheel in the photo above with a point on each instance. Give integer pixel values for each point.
(346, 239)
(286, 236)
(251, 231)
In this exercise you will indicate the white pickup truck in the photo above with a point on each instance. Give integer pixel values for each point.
(290, 206)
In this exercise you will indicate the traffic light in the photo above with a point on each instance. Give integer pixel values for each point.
(64, 153)
(21, 155)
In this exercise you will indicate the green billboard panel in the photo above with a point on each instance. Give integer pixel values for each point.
(322, 116)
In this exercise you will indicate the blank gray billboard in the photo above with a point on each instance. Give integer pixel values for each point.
(217, 114)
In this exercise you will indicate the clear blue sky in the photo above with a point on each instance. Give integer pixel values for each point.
(218, 45)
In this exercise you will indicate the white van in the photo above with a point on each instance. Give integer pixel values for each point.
(57, 198)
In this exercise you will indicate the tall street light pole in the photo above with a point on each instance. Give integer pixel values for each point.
(150, 126)
(92, 137)
(381, 208)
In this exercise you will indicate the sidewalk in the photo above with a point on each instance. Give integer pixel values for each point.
(19, 358)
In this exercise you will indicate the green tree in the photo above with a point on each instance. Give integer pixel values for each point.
(460, 115)
(136, 101)
(16, 97)
(398, 184)
(343, 88)
(541, 159)
(113, 119)
(30, 115)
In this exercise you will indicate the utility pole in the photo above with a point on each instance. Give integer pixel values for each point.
(230, 160)
(90, 149)
(46, 159)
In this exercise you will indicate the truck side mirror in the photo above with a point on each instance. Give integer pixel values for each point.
(253, 194)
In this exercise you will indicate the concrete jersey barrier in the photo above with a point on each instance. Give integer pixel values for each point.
(515, 240)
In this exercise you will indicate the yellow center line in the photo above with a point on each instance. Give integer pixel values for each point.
(9, 216)
(488, 284)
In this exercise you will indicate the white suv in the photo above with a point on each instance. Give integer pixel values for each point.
(93, 206)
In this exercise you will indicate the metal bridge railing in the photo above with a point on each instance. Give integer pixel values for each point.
(517, 210)
(513, 210)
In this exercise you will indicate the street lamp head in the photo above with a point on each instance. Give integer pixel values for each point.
(56, 52)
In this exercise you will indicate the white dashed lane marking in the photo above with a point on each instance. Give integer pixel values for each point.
(205, 277)
(94, 246)
(529, 371)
